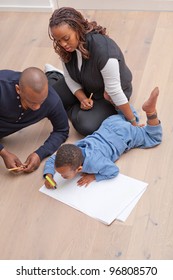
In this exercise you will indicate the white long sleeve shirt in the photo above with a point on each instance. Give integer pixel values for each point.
(111, 78)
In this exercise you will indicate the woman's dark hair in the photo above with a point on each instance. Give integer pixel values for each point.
(69, 155)
(78, 23)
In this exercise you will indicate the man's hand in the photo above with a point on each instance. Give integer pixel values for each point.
(11, 160)
(86, 179)
(32, 163)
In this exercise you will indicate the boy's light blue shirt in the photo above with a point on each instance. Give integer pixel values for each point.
(114, 137)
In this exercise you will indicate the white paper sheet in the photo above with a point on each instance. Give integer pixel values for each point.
(105, 201)
(126, 212)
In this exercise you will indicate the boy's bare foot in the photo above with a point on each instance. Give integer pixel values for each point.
(149, 105)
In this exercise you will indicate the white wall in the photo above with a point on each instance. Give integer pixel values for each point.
(28, 5)
(25, 2)
(50, 5)
(138, 5)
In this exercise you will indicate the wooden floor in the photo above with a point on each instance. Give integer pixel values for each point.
(35, 226)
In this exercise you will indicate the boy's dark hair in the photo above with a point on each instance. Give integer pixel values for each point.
(69, 154)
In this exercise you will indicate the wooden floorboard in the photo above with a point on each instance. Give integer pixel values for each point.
(35, 226)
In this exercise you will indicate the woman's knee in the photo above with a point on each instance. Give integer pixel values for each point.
(86, 128)
(86, 122)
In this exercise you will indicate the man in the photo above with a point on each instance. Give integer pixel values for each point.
(25, 99)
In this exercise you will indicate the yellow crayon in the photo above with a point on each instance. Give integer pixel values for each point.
(50, 181)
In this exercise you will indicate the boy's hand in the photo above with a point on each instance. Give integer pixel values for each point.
(48, 184)
(86, 179)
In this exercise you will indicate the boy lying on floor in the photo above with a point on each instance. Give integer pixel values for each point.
(95, 155)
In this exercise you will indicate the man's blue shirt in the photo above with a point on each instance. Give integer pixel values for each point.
(13, 117)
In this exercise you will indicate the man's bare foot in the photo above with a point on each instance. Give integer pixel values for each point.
(149, 105)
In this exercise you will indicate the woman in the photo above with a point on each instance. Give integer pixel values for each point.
(92, 63)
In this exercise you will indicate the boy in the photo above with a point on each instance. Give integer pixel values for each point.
(95, 155)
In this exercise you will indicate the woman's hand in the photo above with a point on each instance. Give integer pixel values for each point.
(86, 104)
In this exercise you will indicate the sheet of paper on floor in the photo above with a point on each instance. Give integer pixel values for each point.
(105, 200)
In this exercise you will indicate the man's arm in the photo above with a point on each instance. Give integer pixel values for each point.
(1, 147)
(59, 121)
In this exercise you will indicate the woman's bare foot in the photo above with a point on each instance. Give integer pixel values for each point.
(149, 105)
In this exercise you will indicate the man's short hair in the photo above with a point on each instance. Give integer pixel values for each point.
(33, 78)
